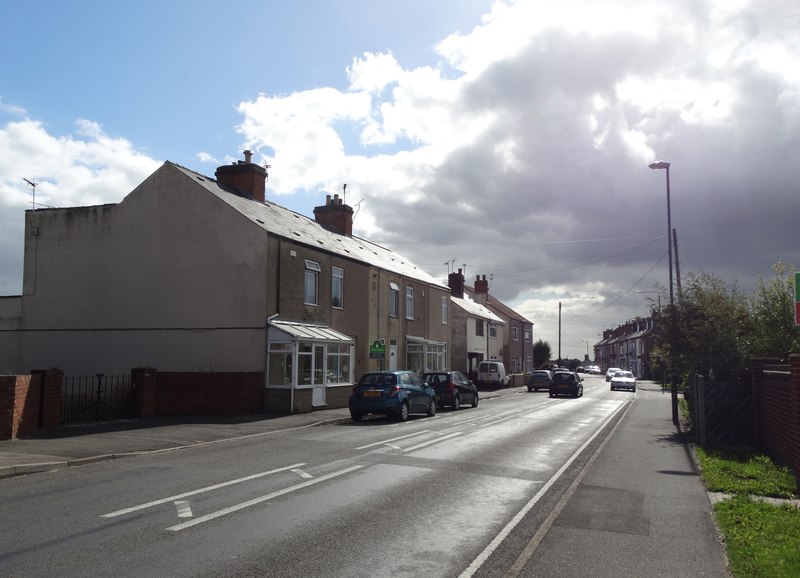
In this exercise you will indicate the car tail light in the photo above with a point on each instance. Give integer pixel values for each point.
(394, 391)
(452, 386)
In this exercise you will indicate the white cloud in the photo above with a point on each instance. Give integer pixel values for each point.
(523, 152)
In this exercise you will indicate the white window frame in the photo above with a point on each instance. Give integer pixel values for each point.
(445, 300)
(311, 282)
(409, 302)
(394, 299)
(337, 287)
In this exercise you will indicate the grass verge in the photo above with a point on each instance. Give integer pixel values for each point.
(761, 538)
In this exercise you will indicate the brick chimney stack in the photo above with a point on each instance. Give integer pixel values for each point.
(456, 283)
(481, 290)
(248, 178)
(335, 215)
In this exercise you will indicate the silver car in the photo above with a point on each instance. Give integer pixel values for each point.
(623, 380)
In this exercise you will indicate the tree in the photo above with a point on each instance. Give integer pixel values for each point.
(541, 353)
(712, 329)
(772, 308)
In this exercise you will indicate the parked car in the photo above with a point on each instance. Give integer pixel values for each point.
(493, 373)
(452, 388)
(623, 380)
(566, 382)
(393, 393)
(539, 379)
(611, 371)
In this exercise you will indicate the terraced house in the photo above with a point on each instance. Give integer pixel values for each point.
(196, 274)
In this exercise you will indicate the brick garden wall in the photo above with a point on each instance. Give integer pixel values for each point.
(165, 393)
(30, 402)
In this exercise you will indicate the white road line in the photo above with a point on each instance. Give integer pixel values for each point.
(430, 442)
(301, 473)
(199, 491)
(184, 509)
(259, 500)
(386, 442)
(483, 556)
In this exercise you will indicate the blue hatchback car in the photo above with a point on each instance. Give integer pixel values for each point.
(393, 393)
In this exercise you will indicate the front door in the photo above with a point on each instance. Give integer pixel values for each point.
(318, 377)
(393, 355)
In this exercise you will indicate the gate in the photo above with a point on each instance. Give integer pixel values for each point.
(90, 399)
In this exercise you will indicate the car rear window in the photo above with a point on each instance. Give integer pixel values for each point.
(564, 378)
(379, 379)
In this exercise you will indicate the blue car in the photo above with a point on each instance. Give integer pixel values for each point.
(393, 393)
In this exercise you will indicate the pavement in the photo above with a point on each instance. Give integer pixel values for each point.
(643, 485)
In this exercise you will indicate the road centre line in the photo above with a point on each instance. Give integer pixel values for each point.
(198, 491)
(503, 534)
(260, 499)
(386, 442)
(430, 442)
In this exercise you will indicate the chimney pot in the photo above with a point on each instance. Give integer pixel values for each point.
(248, 156)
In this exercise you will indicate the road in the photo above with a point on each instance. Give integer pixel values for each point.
(459, 494)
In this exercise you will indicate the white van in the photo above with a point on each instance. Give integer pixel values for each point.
(493, 373)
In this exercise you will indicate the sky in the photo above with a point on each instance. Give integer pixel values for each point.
(505, 138)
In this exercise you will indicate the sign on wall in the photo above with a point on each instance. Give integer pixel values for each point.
(797, 298)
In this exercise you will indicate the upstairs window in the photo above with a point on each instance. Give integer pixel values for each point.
(409, 302)
(445, 299)
(479, 327)
(337, 287)
(394, 300)
(311, 283)
(492, 329)
(515, 333)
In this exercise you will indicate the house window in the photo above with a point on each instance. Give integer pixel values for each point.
(340, 362)
(515, 333)
(479, 327)
(444, 310)
(337, 287)
(492, 329)
(394, 300)
(409, 302)
(527, 335)
(311, 283)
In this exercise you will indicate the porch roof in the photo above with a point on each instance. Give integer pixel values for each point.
(301, 331)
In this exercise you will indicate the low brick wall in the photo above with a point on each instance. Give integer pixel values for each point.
(168, 393)
(30, 402)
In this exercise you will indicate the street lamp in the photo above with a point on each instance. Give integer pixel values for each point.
(658, 165)
(586, 341)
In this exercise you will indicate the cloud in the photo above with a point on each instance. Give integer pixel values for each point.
(524, 153)
(521, 154)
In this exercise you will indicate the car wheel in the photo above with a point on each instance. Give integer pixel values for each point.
(402, 413)
(457, 403)
(612, 388)
(356, 415)
(475, 400)
(432, 408)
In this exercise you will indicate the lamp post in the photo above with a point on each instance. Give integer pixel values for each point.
(586, 341)
(658, 165)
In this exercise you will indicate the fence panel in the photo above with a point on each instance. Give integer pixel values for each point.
(728, 416)
(89, 399)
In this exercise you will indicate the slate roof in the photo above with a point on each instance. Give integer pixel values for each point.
(499, 306)
(288, 224)
(476, 309)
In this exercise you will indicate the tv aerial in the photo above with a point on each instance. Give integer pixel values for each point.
(33, 184)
